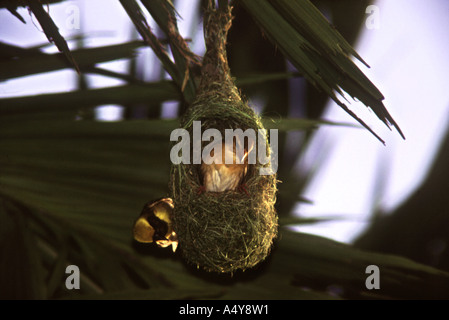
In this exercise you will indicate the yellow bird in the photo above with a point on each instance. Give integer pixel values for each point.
(219, 177)
(154, 224)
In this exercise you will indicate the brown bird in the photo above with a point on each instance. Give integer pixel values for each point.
(220, 176)
(154, 224)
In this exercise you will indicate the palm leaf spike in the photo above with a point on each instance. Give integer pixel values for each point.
(137, 17)
(51, 31)
(165, 16)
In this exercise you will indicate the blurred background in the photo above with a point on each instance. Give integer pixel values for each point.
(338, 181)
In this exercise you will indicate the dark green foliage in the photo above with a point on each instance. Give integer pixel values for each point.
(71, 190)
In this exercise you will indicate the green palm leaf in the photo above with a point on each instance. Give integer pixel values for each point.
(71, 190)
(319, 52)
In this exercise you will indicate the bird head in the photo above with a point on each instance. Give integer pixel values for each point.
(154, 224)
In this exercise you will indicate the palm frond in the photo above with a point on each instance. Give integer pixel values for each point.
(80, 185)
(319, 52)
(51, 31)
(70, 190)
(26, 62)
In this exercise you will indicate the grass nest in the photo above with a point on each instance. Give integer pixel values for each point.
(222, 231)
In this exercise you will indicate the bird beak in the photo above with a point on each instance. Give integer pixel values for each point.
(172, 241)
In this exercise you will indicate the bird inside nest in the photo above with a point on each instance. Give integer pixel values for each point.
(155, 224)
(226, 167)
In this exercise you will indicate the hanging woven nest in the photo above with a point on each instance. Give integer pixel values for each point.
(229, 230)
